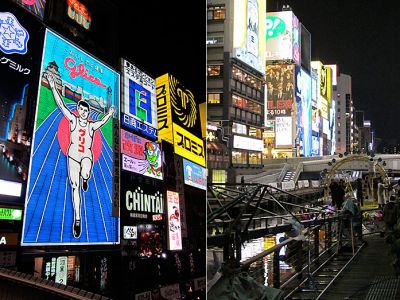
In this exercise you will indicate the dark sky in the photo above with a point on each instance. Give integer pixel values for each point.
(363, 38)
(167, 36)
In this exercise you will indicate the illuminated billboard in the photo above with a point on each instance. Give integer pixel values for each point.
(332, 126)
(315, 149)
(20, 51)
(304, 110)
(140, 155)
(194, 175)
(69, 195)
(10, 214)
(323, 85)
(138, 101)
(179, 119)
(282, 37)
(280, 90)
(141, 198)
(315, 120)
(334, 69)
(283, 131)
(248, 29)
(305, 48)
(246, 143)
(35, 7)
(174, 222)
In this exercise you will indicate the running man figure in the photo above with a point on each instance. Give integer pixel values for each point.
(80, 155)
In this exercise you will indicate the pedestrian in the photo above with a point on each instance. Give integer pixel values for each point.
(390, 214)
(380, 193)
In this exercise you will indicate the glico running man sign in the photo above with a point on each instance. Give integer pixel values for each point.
(69, 195)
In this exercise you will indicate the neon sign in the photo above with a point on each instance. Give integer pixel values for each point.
(79, 13)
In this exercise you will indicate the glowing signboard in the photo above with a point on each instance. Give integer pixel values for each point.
(304, 110)
(139, 104)
(248, 26)
(72, 152)
(79, 13)
(174, 222)
(35, 7)
(283, 131)
(242, 142)
(21, 47)
(140, 155)
(179, 119)
(10, 214)
(282, 36)
(194, 175)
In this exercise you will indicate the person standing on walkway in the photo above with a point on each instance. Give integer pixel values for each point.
(359, 187)
(390, 214)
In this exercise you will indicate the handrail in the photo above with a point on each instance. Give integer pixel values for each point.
(48, 285)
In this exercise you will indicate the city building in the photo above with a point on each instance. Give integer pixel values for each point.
(235, 86)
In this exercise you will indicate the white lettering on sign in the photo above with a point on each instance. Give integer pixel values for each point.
(139, 201)
(3, 240)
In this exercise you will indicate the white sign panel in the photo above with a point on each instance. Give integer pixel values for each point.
(174, 222)
(62, 270)
(246, 143)
(130, 232)
(283, 131)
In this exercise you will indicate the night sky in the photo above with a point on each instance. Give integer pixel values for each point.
(363, 38)
(167, 36)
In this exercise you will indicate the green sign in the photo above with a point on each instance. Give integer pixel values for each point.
(274, 27)
(10, 214)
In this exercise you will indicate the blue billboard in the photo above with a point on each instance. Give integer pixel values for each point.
(69, 194)
(304, 111)
(194, 175)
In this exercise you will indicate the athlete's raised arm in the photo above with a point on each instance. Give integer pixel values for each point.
(57, 97)
(96, 125)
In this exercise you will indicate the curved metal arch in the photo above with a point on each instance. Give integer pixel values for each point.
(377, 169)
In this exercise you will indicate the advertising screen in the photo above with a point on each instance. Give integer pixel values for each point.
(323, 85)
(174, 222)
(282, 37)
(315, 150)
(248, 26)
(194, 175)
(326, 83)
(332, 126)
(280, 90)
(138, 101)
(35, 7)
(150, 240)
(10, 214)
(304, 110)
(315, 119)
(69, 195)
(141, 198)
(334, 76)
(179, 119)
(20, 53)
(140, 155)
(283, 131)
(242, 142)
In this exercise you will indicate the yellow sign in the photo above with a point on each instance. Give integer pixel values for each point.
(189, 146)
(164, 109)
(203, 118)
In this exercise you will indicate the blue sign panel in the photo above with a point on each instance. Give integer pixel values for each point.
(194, 175)
(69, 195)
(139, 105)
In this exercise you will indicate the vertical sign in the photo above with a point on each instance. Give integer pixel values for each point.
(139, 104)
(69, 195)
(35, 7)
(21, 46)
(174, 222)
(61, 270)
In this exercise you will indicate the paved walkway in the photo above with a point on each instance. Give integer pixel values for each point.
(370, 275)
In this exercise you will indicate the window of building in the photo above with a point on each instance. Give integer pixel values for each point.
(216, 12)
(219, 176)
(248, 79)
(213, 98)
(239, 157)
(255, 132)
(255, 158)
(239, 128)
(214, 70)
(246, 104)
